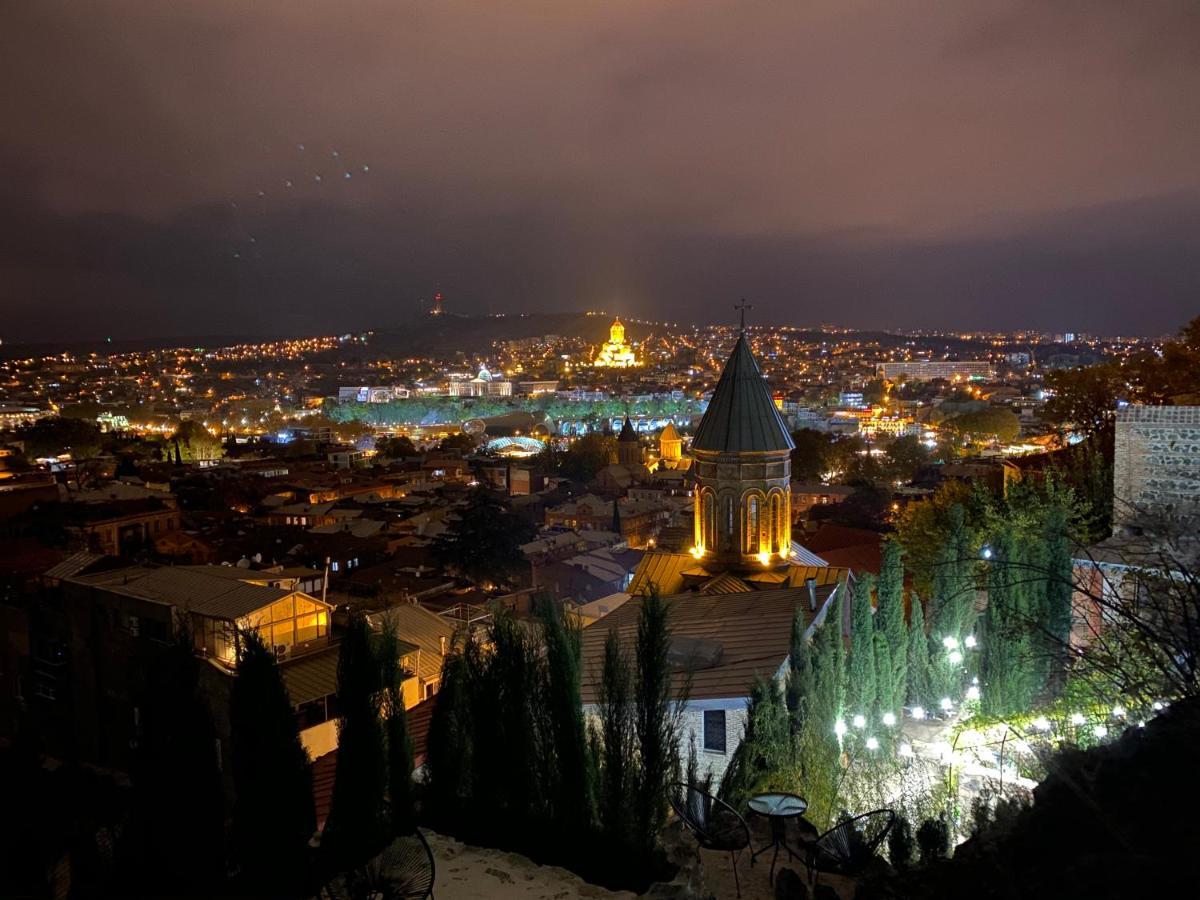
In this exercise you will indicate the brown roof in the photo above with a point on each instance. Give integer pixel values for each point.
(753, 628)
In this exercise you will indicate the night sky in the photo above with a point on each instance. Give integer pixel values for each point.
(965, 164)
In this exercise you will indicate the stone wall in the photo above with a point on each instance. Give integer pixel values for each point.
(1156, 465)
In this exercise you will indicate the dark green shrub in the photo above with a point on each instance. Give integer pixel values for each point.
(933, 840)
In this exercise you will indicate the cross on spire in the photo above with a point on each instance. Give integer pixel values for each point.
(741, 308)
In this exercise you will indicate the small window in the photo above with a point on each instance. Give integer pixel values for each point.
(714, 730)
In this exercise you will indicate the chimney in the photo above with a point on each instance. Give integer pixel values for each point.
(442, 642)
(811, 584)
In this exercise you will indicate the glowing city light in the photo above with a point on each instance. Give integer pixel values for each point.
(1041, 723)
(889, 719)
(973, 692)
(946, 703)
(839, 728)
(860, 721)
(1077, 719)
(918, 712)
(765, 558)
(970, 641)
(697, 551)
(872, 743)
(1100, 731)
(1118, 711)
(949, 642)
(955, 657)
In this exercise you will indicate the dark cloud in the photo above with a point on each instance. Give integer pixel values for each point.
(976, 164)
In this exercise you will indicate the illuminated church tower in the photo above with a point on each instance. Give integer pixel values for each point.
(615, 353)
(743, 516)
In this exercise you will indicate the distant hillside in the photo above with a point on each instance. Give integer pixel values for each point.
(131, 345)
(449, 333)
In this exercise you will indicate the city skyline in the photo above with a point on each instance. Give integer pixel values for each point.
(907, 168)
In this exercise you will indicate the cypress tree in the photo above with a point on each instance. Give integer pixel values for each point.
(889, 621)
(617, 775)
(861, 690)
(766, 746)
(401, 815)
(1003, 658)
(574, 795)
(177, 821)
(829, 672)
(920, 678)
(357, 826)
(450, 748)
(273, 817)
(1056, 612)
(818, 747)
(952, 605)
(800, 674)
(654, 722)
(514, 779)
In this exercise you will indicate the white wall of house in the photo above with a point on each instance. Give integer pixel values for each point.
(320, 739)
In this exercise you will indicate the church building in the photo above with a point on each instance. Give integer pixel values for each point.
(616, 353)
(734, 597)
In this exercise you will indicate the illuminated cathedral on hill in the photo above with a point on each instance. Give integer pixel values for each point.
(616, 353)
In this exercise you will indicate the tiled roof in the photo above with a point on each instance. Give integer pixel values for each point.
(742, 417)
(753, 629)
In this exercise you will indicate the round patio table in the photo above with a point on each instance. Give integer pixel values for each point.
(777, 808)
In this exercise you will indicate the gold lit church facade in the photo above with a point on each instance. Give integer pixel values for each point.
(616, 353)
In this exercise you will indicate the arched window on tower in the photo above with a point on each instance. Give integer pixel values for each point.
(729, 532)
(750, 534)
(709, 520)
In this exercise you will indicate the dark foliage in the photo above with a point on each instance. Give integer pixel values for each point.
(901, 846)
(357, 827)
(273, 818)
(178, 816)
(484, 540)
(933, 840)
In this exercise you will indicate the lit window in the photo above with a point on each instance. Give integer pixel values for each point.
(334, 567)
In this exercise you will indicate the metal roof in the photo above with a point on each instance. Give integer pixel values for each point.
(742, 417)
(311, 677)
(414, 624)
(73, 565)
(199, 592)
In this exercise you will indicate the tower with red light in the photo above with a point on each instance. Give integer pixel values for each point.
(436, 309)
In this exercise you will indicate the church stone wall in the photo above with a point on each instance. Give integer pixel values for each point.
(1156, 464)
